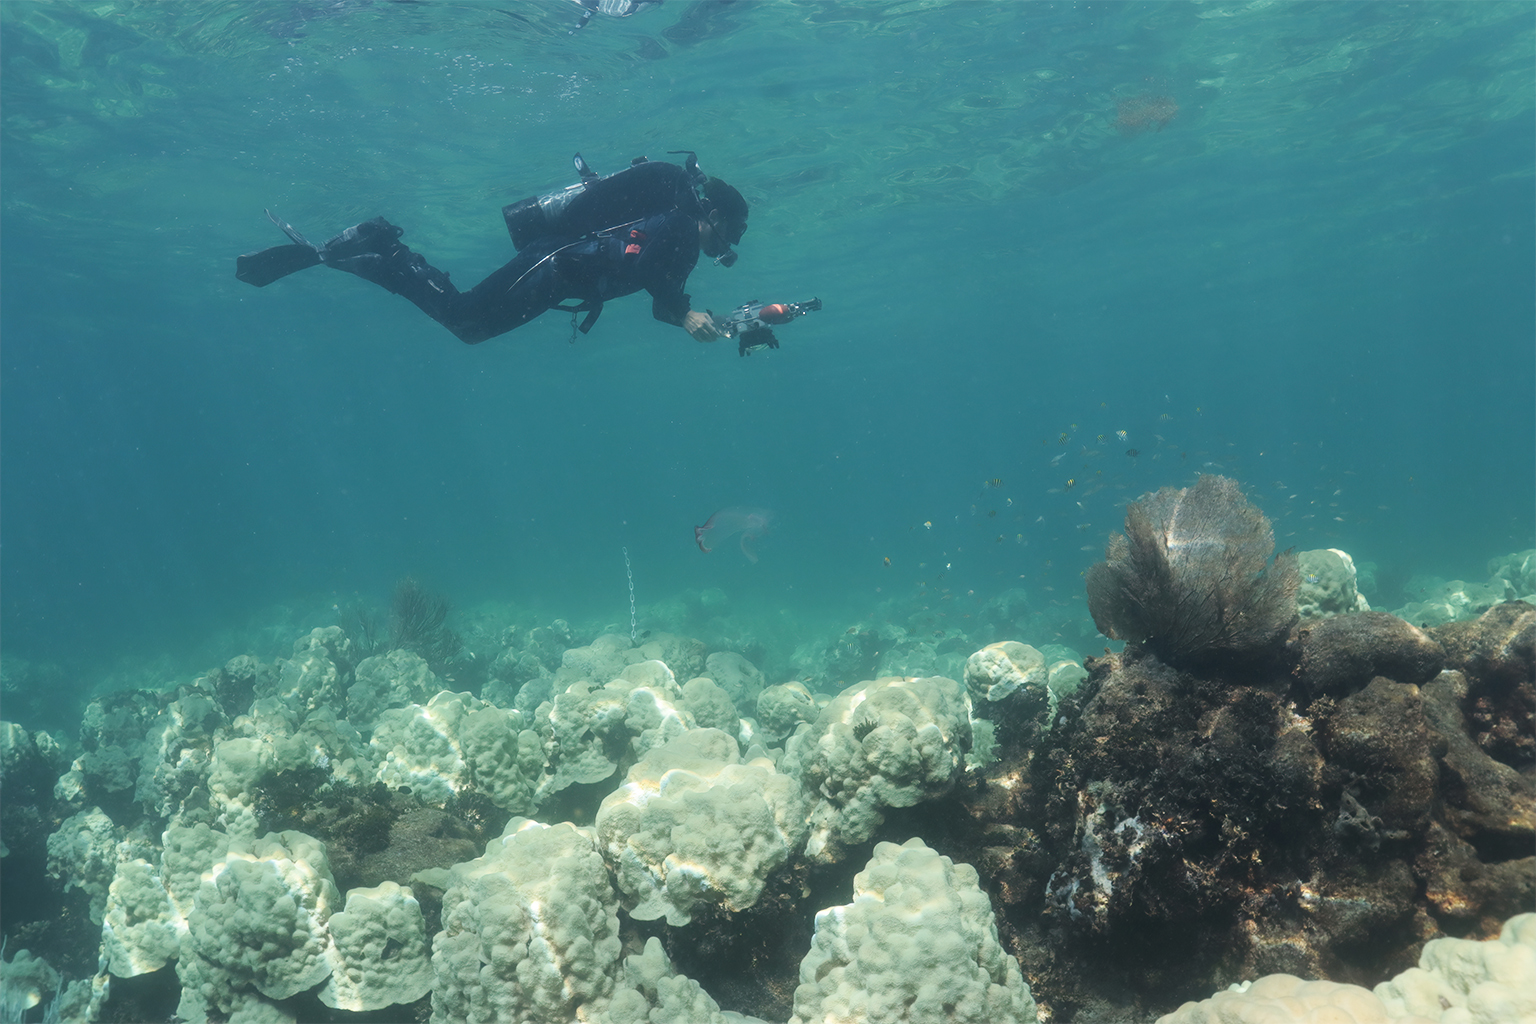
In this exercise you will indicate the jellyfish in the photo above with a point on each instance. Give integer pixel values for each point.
(1136, 114)
(751, 523)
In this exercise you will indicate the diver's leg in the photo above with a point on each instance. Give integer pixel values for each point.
(512, 296)
(373, 252)
(508, 298)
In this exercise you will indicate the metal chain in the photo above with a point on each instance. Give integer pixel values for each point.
(631, 574)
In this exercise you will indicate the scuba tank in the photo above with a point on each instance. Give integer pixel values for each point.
(597, 203)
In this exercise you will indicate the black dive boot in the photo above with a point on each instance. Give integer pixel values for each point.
(372, 251)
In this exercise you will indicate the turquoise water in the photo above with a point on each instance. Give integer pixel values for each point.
(1316, 278)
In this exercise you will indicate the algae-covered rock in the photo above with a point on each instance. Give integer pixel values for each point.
(1345, 653)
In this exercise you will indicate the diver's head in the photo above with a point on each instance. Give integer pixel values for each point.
(725, 221)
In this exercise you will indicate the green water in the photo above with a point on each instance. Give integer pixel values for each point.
(1315, 277)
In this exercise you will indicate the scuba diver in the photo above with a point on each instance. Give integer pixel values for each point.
(605, 237)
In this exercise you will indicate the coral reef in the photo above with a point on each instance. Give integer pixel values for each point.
(1436, 601)
(1179, 831)
(331, 837)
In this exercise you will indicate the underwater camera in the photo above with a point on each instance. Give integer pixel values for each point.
(750, 322)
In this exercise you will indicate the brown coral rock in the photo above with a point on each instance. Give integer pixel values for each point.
(1346, 652)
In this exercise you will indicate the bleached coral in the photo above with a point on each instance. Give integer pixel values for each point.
(692, 824)
(1457, 982)
(275, 737)
(237, 764)
(885, 743)
(258, 924)
(141, 931)
(83, 855)
(917, 944)
(589, 732)
(378, 951)
(1471, 982)
(149, 901)
(1287, 999)
(1328, 585)
(458, 742)
(530, 930)
(709, 705)
(26, 981)
(178, 754)
(603, 659)
(738, 677)
(417, 747)
(318, 673)
(390, 680)
(782, 709)
(649, 990)
(999, 670)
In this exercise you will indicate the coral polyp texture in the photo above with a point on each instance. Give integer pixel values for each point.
(880, 744)
(1456, 982)
(1192, 579)
(917, 944)
(693, 824)
(1307, 806)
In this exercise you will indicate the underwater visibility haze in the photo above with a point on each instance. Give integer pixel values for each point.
(1313, 276)
(1067, 254)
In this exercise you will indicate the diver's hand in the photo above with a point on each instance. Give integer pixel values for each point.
(701, 326)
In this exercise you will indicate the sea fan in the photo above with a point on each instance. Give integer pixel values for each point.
(1191, 578)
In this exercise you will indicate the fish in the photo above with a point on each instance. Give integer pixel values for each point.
(1132, 452)
(751, 523)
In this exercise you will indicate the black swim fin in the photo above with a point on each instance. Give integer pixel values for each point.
(268, 265)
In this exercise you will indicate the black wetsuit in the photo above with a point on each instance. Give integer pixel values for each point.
(613, 236)
(656, 254)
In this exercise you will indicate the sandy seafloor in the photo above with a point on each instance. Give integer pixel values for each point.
(1069, 254)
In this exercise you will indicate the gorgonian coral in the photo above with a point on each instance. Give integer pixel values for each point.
(1191, 578)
